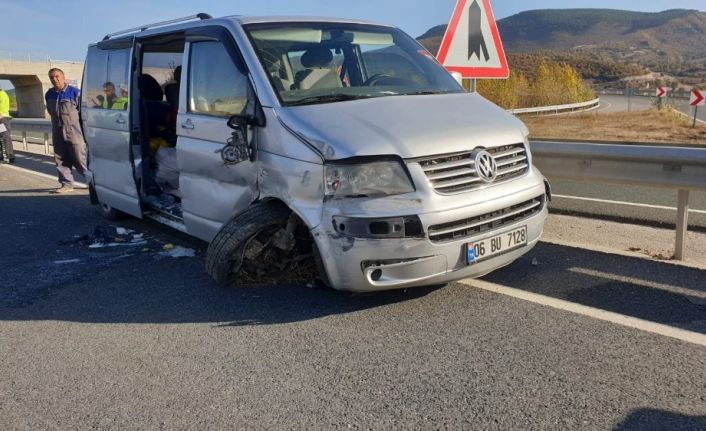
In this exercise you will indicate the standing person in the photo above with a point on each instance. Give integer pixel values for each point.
(5, 121)
(69, 146)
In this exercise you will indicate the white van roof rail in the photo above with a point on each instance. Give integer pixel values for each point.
(159, 24)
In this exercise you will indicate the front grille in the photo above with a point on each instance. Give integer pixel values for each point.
(456, 173)
(494, 220)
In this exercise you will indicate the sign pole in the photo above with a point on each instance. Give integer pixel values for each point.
(470, 85)
(696, 110)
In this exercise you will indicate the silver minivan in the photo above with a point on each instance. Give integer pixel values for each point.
(286, 142)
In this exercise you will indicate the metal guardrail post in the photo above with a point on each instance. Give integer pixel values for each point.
(682, 223)
(24, 140)
(46, 143)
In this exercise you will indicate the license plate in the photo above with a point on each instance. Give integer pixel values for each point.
(493, 246)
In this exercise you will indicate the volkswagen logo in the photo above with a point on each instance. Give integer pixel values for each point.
(485, 165)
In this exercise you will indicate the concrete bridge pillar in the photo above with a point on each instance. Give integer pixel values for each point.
(29, 92)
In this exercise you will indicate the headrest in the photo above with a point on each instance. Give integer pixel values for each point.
(150, 88)
(317, 57)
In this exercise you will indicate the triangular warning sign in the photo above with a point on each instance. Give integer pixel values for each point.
(471, 44)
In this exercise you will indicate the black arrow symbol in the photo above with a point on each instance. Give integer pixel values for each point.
(476, 41)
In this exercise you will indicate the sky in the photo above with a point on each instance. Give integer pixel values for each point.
(62, 30)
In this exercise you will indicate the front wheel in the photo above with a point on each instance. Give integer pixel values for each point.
(264, 242)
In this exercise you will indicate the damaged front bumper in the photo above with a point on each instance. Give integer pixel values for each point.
(363, 253)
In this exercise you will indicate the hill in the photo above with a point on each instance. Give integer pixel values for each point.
(671, 41)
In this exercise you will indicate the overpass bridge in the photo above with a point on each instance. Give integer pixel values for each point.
(28, 74)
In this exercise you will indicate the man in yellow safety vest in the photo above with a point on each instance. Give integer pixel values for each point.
(5, 127)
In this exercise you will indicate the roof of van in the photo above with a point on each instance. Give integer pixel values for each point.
(189, 22)
(292, 18)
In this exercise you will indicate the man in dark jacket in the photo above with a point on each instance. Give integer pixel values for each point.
(69, 146)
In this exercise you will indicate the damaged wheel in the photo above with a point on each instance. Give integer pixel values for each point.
(266, 242)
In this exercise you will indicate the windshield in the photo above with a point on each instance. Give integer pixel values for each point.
(310, 63)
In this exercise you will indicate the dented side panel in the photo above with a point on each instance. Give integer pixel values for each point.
(297, 183)
(212, 191)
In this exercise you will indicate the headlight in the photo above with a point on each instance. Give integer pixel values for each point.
(367, 179)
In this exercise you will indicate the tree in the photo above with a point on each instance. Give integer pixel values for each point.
(553, 84)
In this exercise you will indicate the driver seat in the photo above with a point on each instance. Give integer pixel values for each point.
(318, 72)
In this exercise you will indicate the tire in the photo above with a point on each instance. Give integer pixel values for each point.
(225, 257)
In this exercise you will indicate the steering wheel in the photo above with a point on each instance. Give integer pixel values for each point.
(373, 80)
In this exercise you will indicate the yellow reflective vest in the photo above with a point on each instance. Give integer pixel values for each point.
(120, 104)
(4, 104)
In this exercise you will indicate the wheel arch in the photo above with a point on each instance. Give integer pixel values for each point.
(310, 216)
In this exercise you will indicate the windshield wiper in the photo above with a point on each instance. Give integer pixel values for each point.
(424, 93)
(327, 98)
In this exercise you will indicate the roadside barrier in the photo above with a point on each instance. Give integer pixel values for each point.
(678, 168)
(558, 109)
(33, 125)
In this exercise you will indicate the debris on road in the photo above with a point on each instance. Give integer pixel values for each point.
(64, 262)
(177, 251)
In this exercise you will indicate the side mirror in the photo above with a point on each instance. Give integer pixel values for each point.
(238, 122)
(237, 149)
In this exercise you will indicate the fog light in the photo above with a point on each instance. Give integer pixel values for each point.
(376, 274)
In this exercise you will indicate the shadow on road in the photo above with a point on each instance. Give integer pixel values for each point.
(649, 419)
(652, 290)
(39, 163)
(49, 274)
(52, 273)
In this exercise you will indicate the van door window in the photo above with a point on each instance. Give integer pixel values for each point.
(107, 80)
(216, 86)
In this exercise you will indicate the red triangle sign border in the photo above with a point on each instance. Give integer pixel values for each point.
(501, 72)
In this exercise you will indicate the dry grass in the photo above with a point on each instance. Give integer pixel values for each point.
(653, 126)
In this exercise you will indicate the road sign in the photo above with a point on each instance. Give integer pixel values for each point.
(661, 92)
(697, 98)
(471, 44)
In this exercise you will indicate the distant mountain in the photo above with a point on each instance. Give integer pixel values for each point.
(655, 40)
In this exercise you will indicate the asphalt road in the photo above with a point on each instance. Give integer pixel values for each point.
(613, 103)
(127, 337)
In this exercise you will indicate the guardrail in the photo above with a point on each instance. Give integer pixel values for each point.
(678, 168)
(32, 57)
(556, 109)
(31, 125)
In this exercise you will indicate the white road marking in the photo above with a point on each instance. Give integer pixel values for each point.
(639, 282)
(606, 201)
(603, 108)
(596, 313)
(77, 184)
(625, 253)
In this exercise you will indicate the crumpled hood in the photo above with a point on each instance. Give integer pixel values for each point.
(409, 126)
